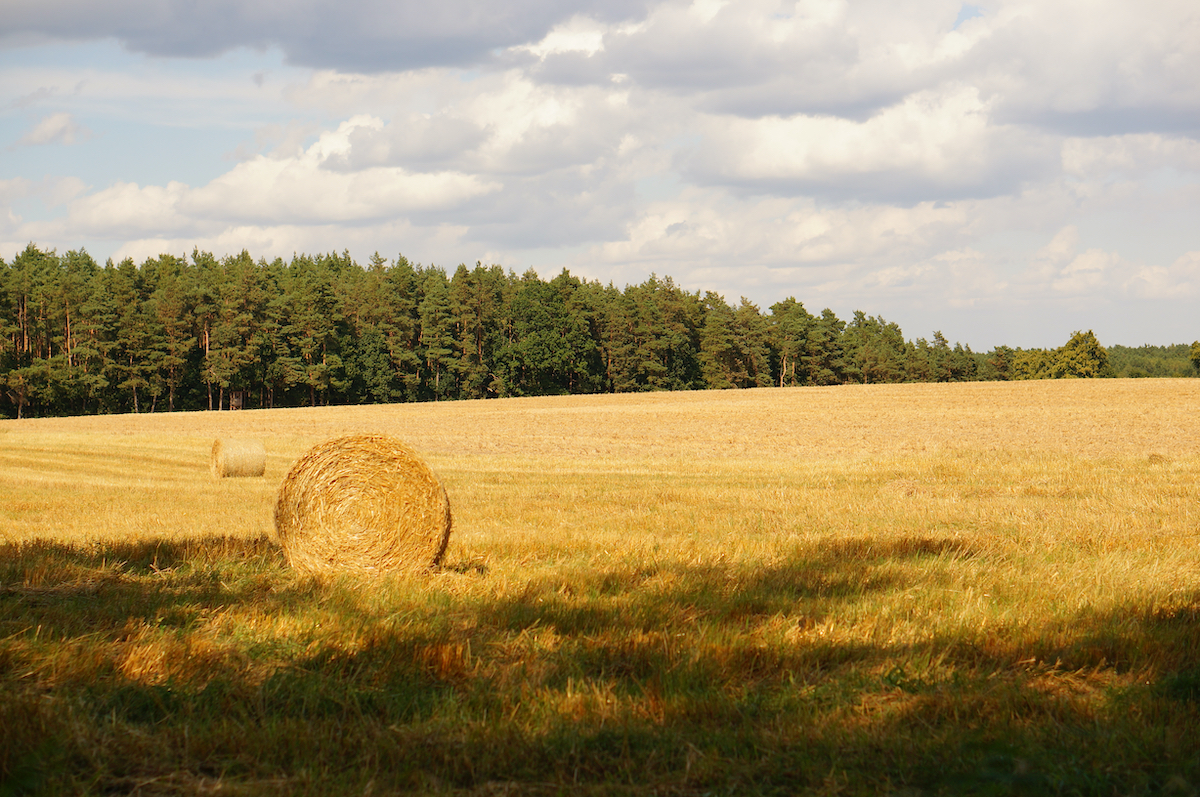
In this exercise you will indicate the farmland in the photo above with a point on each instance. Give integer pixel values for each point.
(965, 588)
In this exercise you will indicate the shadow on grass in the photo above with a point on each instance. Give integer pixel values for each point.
(169, 667)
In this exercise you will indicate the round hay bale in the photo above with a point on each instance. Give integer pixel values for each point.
(238, 458)
(362, 503)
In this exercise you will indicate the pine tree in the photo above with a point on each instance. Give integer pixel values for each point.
(719, 360)
(132, 333)
(875, 348)
(1081, 357)
(753, 345)
(825, 359)
(170, 306)
(477, 304)
(437, 334)
(310, 319)
(789, 326)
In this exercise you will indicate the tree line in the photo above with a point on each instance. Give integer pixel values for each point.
(188, 333)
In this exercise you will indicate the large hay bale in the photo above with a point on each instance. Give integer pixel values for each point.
(238, 458)
(364, 503)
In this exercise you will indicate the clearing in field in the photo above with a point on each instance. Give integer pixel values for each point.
(968, 588)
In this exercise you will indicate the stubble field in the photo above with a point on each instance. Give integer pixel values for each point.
(974, 588)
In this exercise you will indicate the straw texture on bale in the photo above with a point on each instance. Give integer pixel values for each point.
(362, 503)
(238, 458)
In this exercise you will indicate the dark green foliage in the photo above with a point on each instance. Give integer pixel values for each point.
(1179, 360)
(184, 334)
(876, 350)
(1082, 357)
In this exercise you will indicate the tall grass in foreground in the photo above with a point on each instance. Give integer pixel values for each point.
(926, 619)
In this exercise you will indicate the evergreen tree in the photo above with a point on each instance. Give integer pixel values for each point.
(752, 334)
(790, 325)
(551, 348)
(1033, 364)
(579, 334)
(636, 339)
(79, 361)
(310, 323)
(169, 305)
(483, 325)
(437, 335)
(999, 364)
(400, 325)
(825, 359)
(75, 337)
(652, 337)
(1081, 357)
(131, 332)
(875, 349)
(719, 360)
(963, 365)
(918, 361)
(32, 285)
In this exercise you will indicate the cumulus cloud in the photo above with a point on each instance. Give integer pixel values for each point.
(721, 239)
(931, 144)
(926, 155)
(57, 128)
(1180, 280)
(371, 36)
(271, 191)
(1127, 155)
(52, 191)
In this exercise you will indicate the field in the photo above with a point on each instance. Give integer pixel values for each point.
(988, 588)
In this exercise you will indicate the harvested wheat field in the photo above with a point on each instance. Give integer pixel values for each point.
(984, 588)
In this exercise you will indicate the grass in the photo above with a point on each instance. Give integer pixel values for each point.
(923, 589)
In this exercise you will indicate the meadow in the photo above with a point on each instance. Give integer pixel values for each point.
(973, 588)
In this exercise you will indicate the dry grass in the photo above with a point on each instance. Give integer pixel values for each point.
(364, 503)
(234, 458)
(944, 588)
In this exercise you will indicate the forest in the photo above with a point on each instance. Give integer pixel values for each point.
(205, 333)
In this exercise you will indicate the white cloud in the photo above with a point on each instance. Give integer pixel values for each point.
(1059, 251)
(869, 152)
(367, 37)
(16, 188)
(271, 191)
(577, 35)
(778, 240)
(122, 210)
(57, 128)
(52, 191)
(1128, 154)
(1180, 280)
(284, 240)
(944, 137)
(1087, 272)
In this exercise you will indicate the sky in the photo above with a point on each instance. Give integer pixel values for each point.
(1005, 173)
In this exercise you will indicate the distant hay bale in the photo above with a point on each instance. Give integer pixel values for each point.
(362, 503)
(238, 458)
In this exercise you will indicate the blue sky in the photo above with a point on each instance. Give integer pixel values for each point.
(1003, 172)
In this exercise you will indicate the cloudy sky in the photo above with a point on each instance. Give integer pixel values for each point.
(1004, 172)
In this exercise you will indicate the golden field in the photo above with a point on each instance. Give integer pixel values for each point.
(955, 560)
(520, 464)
